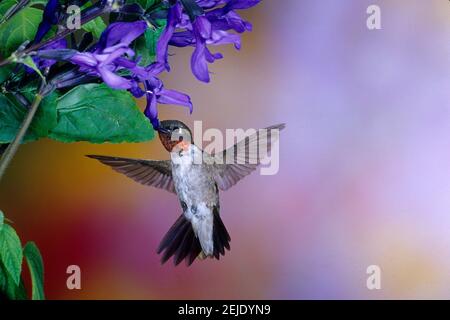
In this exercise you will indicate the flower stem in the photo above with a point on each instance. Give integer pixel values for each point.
(87, 15)
(13, 146)
(13, 10)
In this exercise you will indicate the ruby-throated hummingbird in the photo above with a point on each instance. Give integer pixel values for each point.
(199, 231)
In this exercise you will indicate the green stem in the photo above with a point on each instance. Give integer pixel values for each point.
(13, 10)
(12, 148)
(87, 15)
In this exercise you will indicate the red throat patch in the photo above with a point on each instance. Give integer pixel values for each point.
(170, 145)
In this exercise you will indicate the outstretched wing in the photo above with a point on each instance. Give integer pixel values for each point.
(245, 156)
(155, 173)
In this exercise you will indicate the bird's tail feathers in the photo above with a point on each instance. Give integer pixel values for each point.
(182, 243)
(221, 237)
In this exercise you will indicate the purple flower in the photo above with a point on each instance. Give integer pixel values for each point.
(173, 18)
(54, 45)
(49, 18)
(196, 23)
(121, 34)
(45, 57)
(103, 65)
(107, 58)
(155, 92)
(112, 55)
(209, 28)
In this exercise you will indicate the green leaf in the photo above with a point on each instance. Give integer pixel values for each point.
(3, 282)
(12, 115)
(98, 114)
(28, 61)
(145, 4)
(19, 291)
(2, 219)
(5, 5)
(45, 118)
(5, 72)
(11, 252)
(95, 26)
(9, 288)
(34, 2)
(21, 27)
(36, 266)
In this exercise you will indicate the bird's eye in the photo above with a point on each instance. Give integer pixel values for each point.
(180, 138)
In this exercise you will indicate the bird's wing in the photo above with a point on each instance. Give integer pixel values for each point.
(243, 158)
(155, 173)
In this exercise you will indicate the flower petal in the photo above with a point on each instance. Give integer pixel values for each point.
(86, 59)
(113, 80)
(203, 27)
(136, 91)
(151, 110)
(173, 18)
(121, 32)
(49, 18)
(199, 65)
(241, 4)
(167, 96)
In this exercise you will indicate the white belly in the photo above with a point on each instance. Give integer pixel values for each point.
(196, 188)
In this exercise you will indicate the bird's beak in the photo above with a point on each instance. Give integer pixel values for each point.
(163, 131)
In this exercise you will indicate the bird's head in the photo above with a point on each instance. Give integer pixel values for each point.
(175, 135)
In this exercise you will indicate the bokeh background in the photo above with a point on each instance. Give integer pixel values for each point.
(364, 176)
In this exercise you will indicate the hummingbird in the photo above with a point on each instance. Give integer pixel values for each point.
(199, 232)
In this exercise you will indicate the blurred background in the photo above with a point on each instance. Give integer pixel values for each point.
(364, 168)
